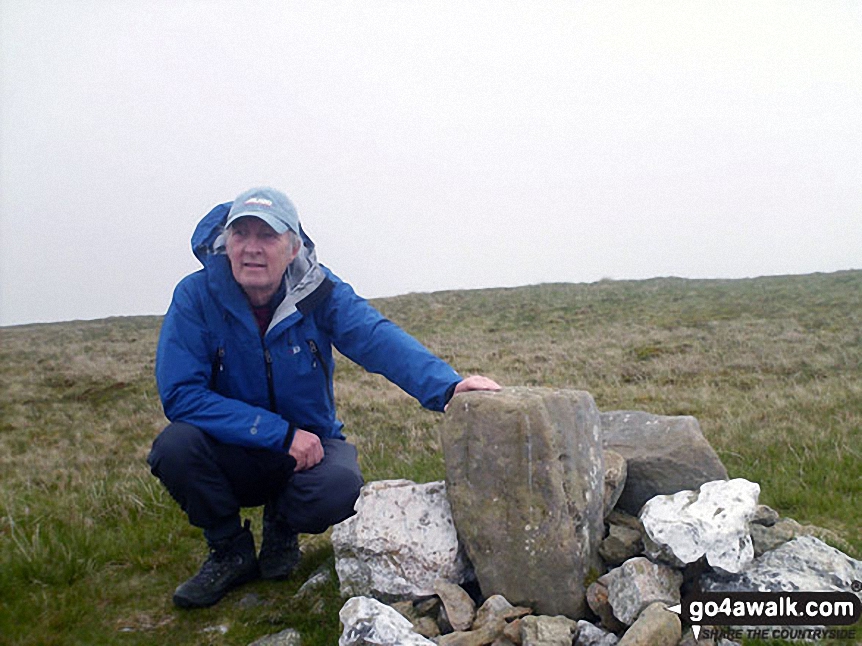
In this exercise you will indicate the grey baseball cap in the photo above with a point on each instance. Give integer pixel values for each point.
(268, 204)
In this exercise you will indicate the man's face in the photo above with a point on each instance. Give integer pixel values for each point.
(258, 257)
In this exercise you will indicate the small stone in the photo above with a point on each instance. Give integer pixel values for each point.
(503, 641)
(318, 607)
(615, 479)
(406, 609)
(590, 635)
(547, 631)
(428, 607)
(765, 516)
(496, 607)
(768, 537)
(619, 517)
(637, 583)
(597, 599)
(316, 581)
(221, 629)
(460, 608)
(426, 627)
(655, 626)
(481, 637)
(621, 544)
(289, 637)
(250, 600)
(512, 632)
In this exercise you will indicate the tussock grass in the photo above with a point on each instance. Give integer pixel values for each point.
(91, 546)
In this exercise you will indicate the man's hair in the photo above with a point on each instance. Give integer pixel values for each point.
(295, 241)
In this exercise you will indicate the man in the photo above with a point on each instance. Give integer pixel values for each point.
(244, 368)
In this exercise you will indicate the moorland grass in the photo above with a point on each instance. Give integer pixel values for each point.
(91, 546)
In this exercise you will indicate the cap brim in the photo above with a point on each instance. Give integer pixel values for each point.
(277, 225)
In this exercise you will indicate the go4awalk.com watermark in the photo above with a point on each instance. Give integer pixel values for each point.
(771, 615)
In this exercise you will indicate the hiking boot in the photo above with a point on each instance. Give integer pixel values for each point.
(231, 563)
(279, 550)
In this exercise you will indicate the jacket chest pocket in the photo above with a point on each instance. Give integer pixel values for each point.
(300, 358)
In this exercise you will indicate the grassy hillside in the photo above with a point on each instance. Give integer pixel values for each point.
(91, 547)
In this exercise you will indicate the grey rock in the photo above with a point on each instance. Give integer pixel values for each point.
(712, 522)
(543, 630)
(597, 598)
(619, 517)
(663, 455)
(487, 634)
(406, 609)
(656, 626)
(426, 627)
(315, 582)
(400, 541)
(525, 477)
(367, 621)
(250, 600)
(615, 479)
(768, 537)
(504, 641)
(460, 608)
(689, 640)
(289, 637)
(428, 607)
(765, 516)
(661, 553)
(496, 607)
(637, 583)
(804, 564)
(590, 635)
(621, 544)
(512, 632)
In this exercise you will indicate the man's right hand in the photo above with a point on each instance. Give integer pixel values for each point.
(306, 449)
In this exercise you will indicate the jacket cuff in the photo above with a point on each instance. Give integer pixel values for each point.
(288, 438)
(450, 391)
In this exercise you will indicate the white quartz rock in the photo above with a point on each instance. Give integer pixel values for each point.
(401, 540)
(711, 522)
(369, 622)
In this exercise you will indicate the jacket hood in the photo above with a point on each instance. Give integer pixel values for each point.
(304, 275)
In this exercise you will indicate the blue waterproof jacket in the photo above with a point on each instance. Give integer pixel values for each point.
(215, 372)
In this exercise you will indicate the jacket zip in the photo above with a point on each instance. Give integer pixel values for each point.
(269, 383)
(218, 366)
(315, 352)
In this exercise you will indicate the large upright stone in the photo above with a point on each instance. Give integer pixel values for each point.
(663, 455)
(525, 478)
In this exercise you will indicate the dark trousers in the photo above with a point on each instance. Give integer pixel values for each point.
(211, 481)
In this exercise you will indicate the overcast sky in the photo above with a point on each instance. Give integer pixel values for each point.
(428, 145)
